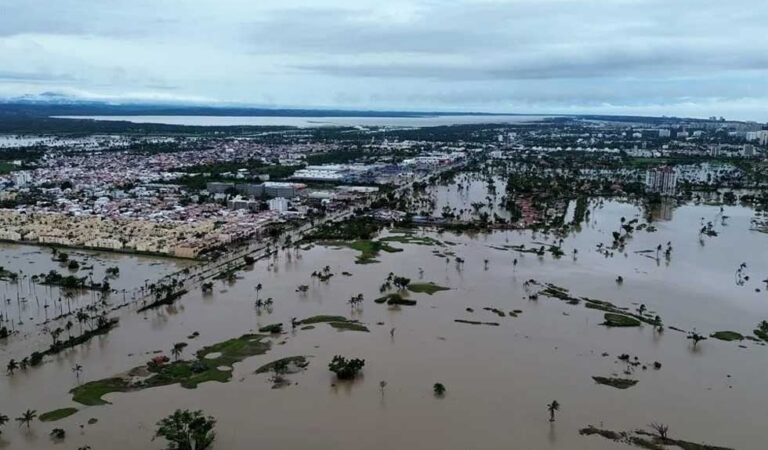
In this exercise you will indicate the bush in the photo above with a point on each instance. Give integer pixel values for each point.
(346, 369)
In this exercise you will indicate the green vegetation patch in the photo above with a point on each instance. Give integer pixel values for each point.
(186, 373)
(599, 304)
(57, 414)
(618, 383)
(275, 328)
(90, 393)
(293, 364)
(322, 319)
(338, 322)
(349, 326)
(426, 288)
(409, 238)
(475, 322)
(395, 299)
(762, 335)
(620, 320)
(727, 336)
(368, 249)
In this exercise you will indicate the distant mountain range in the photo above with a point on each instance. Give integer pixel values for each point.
(48, 104)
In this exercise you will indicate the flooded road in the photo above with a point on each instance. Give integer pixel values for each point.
(499, 379)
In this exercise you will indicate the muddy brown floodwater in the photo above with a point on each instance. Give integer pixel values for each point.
(499, 379)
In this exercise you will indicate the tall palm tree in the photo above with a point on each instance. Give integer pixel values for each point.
(258, 289)
(552, 407)
(27, 417)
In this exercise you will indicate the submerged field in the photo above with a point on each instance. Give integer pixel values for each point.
(516, 346)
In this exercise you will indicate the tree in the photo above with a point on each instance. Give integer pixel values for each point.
(177, 349)
(552, 407)
(3, 420)
(401, 282)
(12, 365)
(187, 430)
(660, 429)
(58, 433)
(78, 369)
(27, 417)
(346, 369)
(439, 389)
(279, 369)
(696, 337)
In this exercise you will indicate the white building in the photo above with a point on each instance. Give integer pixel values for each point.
(662, 180)
(763, 137)
(22, 178)
(278, 204)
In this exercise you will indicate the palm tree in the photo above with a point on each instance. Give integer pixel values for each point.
(12, 365)
(696, 337)
(27, 417)
(552, 407)
(3, 420)
(78, 369)
(258, 289)
(177, 349)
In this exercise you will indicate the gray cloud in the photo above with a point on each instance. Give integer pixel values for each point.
(480, 54)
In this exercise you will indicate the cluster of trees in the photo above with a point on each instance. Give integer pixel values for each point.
(184, 429)
(348, 230)
(346, 368)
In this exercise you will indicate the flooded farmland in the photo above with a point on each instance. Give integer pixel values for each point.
(501, 366)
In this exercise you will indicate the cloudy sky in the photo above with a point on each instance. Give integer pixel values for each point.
(674, 57)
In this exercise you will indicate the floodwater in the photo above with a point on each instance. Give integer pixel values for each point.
(460, 194)
(313, 122)
(499, 379)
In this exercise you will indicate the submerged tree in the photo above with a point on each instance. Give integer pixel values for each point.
(696, 337)
(439, 389)
(77, 370)
(187, 430)
(660, 429)
(552, 407)
(177, 349)
(346, 369)
(58, 434)
(27, 417)
(3, 420)
(12, 366)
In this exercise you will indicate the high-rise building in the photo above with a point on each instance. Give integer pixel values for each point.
(763, 137)
(662, 180)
